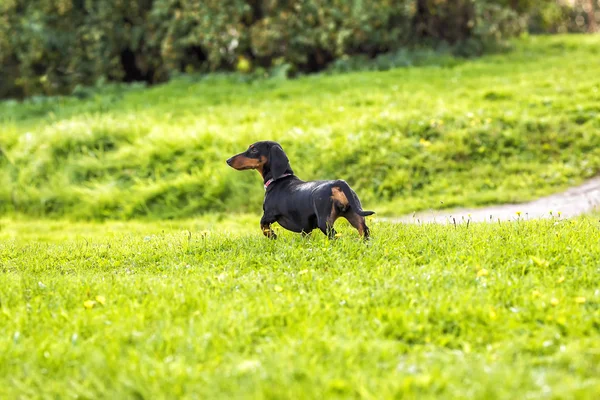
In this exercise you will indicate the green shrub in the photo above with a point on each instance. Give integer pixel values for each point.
(55, 46)
(561, 17)
(312, 33)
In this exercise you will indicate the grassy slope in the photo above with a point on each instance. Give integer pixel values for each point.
(501, 128)
(489, 311)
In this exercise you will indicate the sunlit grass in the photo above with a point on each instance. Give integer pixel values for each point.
(206, 307)
(211, 309)
(501, 128)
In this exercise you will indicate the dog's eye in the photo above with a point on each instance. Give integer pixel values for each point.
(253, 150)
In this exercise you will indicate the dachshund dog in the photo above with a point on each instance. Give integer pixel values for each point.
(296, 205)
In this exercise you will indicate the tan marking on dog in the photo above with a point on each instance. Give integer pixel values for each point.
(333, 215)
(339, 196)
(357, 221)
(241, 162)
(267, 231)
(261, 164)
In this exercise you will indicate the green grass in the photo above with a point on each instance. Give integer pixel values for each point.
(501, 128)
(208, 308)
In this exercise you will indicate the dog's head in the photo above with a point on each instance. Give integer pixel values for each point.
(266, 157)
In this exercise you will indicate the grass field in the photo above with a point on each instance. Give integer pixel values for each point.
(501, 128)
(187, 299)
(209, 308)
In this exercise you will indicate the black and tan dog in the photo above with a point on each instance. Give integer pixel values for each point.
(297, 205)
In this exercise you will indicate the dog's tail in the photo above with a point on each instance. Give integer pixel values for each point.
(352, 198)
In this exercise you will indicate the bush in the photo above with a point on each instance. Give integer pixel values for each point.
(561, 17)
(56, 46)
(52, 46)
(312, 33)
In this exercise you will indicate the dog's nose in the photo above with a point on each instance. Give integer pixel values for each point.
(229, 161)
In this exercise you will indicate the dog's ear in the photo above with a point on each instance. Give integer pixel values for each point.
(279, 161)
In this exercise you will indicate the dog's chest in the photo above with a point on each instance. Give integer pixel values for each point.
(291, 224)
(292, 209)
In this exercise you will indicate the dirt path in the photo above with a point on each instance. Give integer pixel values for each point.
(573, 202)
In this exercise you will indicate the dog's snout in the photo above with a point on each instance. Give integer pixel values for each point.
(229, 161)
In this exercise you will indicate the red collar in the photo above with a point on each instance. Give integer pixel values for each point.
(267, 183)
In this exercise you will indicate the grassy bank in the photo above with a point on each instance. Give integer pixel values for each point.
(501, 128)
(150, 310)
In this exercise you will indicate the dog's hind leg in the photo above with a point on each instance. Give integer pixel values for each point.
(327, 229)
(358, 222)
(327, 213)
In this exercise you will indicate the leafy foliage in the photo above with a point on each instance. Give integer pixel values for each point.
(56, 46)
(50, 47)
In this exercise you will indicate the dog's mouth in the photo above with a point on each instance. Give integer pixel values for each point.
(243, 163)
(243, 167)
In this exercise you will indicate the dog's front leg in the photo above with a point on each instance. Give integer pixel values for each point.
(265, 225)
